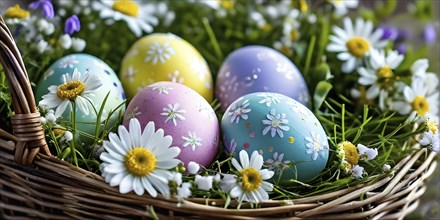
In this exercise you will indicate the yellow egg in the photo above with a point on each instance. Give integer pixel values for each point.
(165, 57)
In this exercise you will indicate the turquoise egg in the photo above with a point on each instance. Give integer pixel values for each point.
(286, 133)
(86, 123)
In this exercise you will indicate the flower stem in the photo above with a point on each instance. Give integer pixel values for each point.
(72, 143)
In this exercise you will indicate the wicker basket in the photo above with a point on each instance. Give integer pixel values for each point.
(34, 184)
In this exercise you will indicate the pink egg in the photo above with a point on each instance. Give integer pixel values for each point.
(183, 114)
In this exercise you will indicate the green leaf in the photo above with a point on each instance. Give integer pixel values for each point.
(321, 92)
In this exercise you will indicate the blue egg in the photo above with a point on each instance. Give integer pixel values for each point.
(288, 135)
(259, 69)
(84, 63)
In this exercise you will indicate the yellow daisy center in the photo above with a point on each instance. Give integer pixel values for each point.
(350, 152)
(357, 46)
(294, 35)
(385, 76)
(285, 50)
(140, 161)
(420, 105)
(251, 179)
(71, 90)
(226, 4)
(16, 12)
(127, 7)
(303, 6)
(432, 126)
(266, 27)
(58, 132)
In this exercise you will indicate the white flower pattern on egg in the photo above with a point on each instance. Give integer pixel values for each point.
(69, 61)
(269, 98)
(172, 112)
(192, 140)
(238, 111)
(316, 146)
(130, 73)
(275, 123)
(162, 89)
(159, 53)
(175, 77)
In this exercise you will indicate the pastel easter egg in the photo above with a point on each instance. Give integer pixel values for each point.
(287, 134)
(183, 114)
(165, 57)
(259, 69)
(86, 64)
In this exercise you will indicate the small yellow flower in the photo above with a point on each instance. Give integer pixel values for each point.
(16, 12)
(58, 132)
(432, 126)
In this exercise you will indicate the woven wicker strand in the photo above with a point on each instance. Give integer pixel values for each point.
(54, 189)
(26, 121)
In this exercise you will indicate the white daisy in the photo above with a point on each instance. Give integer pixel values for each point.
(173, 112)
(350, 156)
(418, 102)
(357, 172)
(342, 6)
(316, 146)
(184, 191)
(204, 182)
(431, 140)
(354, 43)
(159, 52)
(269, 98)
(419, 71)
(380, 76)
(366, 153)
(192, 140)
(76, 88)
(162, 89)
(138, 160)
(137, 16)
(276, 124)
(250, 185)
(239, 111)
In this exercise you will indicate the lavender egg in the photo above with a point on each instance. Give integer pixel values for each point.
(259, 69)
(183, 114)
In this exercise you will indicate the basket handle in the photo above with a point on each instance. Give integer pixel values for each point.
(26, 120)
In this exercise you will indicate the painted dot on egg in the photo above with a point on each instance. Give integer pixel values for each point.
(165, 57)
(287, 138)
(259, 69)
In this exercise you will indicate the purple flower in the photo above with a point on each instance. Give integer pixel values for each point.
(45, 5)
(389, 32)
(72, 25)
(429, 34)
(401, 48)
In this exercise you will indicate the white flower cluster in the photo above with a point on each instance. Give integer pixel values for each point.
(361, 51)
(142, 161)
(350, 156)
(41, 33)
